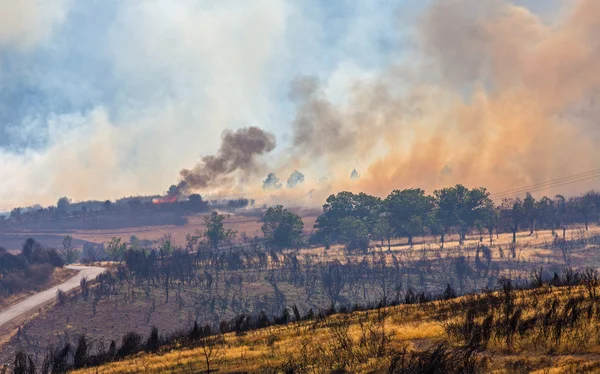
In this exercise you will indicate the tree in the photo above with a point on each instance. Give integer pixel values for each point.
(282, 228)
(583, 205)
(346, 204)
(515, 212)
(332, 281)
(215, 231)
(29, 246)
(63, 204)
(545, 212)
(480, 226)
(196, 202)
(560, 210)
(384, 231)
(107, 205)
(116, 249)
(354, 233)
(68, 253)
(531, 211)
(211, 350)
(81, 353)
(460, 207)
(408, 210)
(491, 217)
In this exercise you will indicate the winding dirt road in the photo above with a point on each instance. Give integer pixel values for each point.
(38, 299)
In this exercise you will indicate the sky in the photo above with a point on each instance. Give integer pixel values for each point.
(107, 98)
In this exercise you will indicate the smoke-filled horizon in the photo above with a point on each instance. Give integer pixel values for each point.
(293, 101)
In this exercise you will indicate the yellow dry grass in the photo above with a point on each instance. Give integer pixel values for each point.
(413, 327)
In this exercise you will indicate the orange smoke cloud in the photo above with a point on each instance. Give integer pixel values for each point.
(498, 95)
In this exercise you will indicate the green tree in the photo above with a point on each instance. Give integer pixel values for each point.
(68, 253)
(346, 204)
(215, 231)
(166, 245)
(282, 228)
(355, 234)
(384, 231)
(460, 207)
(116, 249)
(408, 210)
(531, 211)
(491, 218)
(583, 205)
(545, 211)
(515, 213)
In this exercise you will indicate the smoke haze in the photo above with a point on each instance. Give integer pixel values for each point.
(501, 94)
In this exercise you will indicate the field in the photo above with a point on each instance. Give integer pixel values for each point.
(53, 237)
(453, 334)
(220, 290)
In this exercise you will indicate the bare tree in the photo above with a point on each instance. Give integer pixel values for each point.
(332, 281)
(211, 349)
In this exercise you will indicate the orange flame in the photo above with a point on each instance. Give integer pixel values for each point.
(164, 199)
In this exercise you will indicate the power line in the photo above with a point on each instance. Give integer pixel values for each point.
(554, 184)
(540, 184)
(548, 186)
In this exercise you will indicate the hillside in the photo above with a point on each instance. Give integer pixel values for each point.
(551, 329)
(253, 280)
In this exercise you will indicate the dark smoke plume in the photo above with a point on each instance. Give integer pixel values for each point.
(238, 152)
(295, 179)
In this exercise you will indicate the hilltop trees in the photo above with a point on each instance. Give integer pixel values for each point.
(356, 219)
(346, 204)
(460, 208)
(282, 228)
(409, 211)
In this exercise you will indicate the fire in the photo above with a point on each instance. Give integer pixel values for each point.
(164, 199)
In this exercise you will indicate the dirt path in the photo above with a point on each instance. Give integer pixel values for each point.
(40, 298)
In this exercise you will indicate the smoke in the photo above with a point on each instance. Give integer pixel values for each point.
(505, 98)
(25, 23)
(237, 156)
(295, 179)
(272, 182)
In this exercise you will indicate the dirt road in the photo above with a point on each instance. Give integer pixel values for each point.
(38, 299)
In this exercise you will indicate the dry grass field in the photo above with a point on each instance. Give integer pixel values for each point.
(369, 341)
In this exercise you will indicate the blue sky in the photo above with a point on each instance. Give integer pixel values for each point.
(101, 98)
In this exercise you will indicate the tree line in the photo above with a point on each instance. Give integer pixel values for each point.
(67, 209)
(357, 219)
